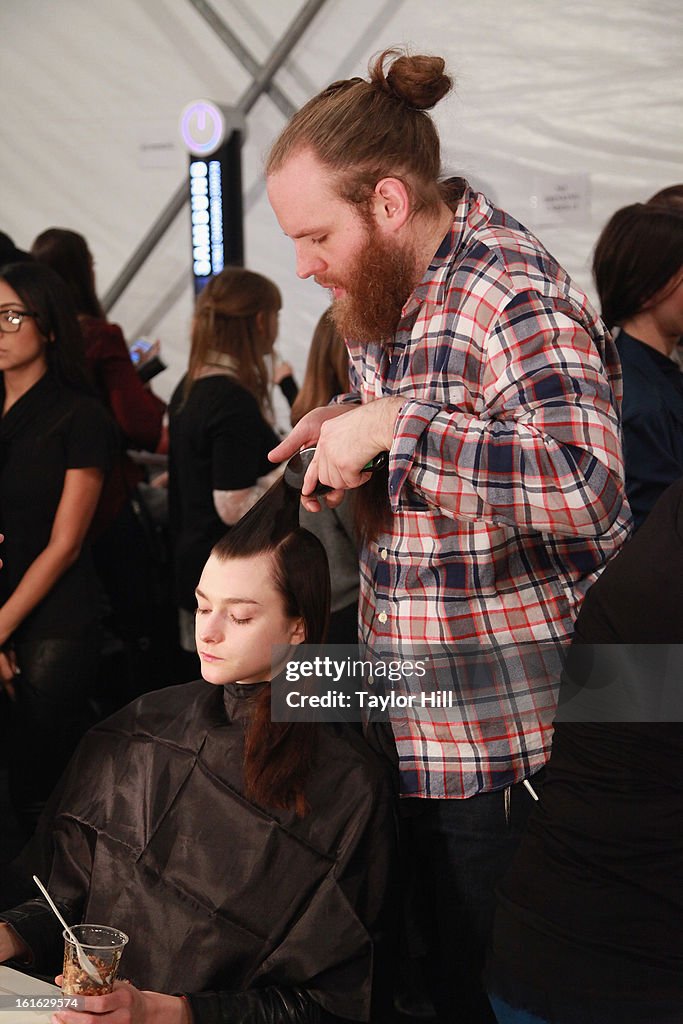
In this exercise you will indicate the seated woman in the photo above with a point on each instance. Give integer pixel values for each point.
(638, 270)
(589, 925)
(247, 860)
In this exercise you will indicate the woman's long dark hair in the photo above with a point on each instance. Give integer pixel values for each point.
(278, 756)
(68, 254)
(42, 292)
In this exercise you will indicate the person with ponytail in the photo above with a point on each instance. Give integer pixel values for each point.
(56, 445)
(487, 376)
(638, 271)
(248, 861)
(220, 424)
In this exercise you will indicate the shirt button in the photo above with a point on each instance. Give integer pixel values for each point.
(382, 617)
(383, 553)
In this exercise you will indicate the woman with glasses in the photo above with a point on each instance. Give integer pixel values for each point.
(55, 446)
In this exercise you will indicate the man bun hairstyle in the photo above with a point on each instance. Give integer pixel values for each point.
(366, 130)
(418, 81)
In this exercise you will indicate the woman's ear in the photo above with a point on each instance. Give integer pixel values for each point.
(261, 322)
(298, 634)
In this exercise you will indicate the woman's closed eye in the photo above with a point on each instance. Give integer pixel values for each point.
(239, 622)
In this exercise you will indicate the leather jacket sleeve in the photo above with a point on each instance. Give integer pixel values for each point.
(272, 1005)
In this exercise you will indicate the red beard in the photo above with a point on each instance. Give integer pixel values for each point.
(377, 287)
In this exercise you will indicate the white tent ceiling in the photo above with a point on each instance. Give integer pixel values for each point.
(549, 94)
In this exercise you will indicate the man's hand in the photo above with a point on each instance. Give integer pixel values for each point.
(348, 443)
(306, 433)
(346, 438)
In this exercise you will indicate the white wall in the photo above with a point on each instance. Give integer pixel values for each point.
(543, 88)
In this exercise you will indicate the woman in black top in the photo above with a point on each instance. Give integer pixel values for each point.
(589, 925)
(248, 860)
(220, 423)
(55, 445)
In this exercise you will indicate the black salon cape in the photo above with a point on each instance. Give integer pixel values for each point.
(216, 893)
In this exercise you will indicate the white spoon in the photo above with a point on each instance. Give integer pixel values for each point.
(87, 965)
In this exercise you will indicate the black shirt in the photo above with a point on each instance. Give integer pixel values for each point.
(590, 917)
(218, 441)
(48, 431)
(652, 415)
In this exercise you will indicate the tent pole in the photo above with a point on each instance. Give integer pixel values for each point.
(239, 50)
(180, 196)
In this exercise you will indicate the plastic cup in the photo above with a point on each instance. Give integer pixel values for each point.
(103, 947)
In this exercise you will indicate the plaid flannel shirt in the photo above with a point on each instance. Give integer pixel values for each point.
(506, 484)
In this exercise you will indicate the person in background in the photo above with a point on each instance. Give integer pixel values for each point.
(638, 271)
(56, 444)
(327, 375)
(124, 558)
(671, 196)
(589, 923)
(249, 861)
(220, 424)
(488, 377)
(9, 253)
(283, 375)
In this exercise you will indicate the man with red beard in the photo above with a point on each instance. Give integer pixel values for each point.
(488, 377)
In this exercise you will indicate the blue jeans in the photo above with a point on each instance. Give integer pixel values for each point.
(506, 1014)
(457, 852)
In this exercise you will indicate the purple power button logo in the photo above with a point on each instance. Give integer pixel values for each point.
(202, 127)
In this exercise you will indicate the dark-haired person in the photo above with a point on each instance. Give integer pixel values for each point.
(589, 924)
(247, 860)
(489, 378)
(56, 442)
(119, 539)
(220, 423)
(9, 253)
(638, 270)
(138, 412)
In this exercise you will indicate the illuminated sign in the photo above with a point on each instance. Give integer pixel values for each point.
(206, 217)
(214, 137)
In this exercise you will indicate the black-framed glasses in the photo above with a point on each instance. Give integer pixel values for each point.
(11, 319)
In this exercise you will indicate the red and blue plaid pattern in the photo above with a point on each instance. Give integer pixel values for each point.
(506, 482)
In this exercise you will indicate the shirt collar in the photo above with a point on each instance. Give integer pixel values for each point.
(433, 286)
